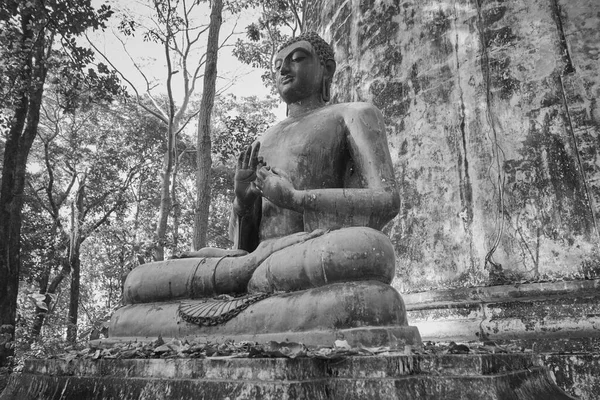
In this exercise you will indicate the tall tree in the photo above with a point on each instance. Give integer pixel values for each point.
(204, 140)
(28, 30)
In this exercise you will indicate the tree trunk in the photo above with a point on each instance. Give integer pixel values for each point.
(40, 313)
(47, 286)
(50, 288)
(74, 296)
(165, 203)
(74, 262)
(204, 143)
(18, 143)
(175, 206)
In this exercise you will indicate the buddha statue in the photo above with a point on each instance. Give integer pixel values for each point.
(310, 262)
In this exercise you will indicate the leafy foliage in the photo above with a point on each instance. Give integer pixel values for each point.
(239, 124)
(63, 20)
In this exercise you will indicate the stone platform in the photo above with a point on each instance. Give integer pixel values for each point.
(456, 377)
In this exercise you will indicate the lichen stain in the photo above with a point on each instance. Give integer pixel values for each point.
(493, 15)
(566, 180)
(438, 89)
(544, 194)
(499, 37)
(437, 26)
(502, 79)
(435, 31)
(550, 99)
(377, 23)
(413, 77)
(409, 13)
(391, 97)
(390, 61)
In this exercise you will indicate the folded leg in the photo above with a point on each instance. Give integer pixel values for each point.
(344, 255)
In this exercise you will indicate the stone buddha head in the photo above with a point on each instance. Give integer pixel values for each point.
(304, 68)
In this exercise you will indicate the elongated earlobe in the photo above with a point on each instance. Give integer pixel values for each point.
(325, 90)
(327, 79)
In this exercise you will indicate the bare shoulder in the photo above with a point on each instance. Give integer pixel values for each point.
(349, 114)
(352, 109)
(359, 106)
(362, 118)
(273, 130)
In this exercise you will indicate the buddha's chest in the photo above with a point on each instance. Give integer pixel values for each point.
(313, 153)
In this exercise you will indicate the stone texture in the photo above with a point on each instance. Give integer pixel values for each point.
(541, 311)
(492, 116)
(382, 377)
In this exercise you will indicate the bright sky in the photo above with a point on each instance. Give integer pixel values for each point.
(133, 55)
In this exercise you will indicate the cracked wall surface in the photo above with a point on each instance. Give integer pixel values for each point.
(493, 124)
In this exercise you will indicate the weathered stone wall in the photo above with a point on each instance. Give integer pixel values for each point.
(493, 118)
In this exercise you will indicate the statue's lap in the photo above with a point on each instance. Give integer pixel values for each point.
(344, 255)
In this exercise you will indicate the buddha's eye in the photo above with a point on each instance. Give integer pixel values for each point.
(298, 58)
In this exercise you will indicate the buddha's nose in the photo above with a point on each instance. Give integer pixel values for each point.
(285, 67)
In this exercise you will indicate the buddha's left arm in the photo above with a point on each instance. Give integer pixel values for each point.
(372, 200)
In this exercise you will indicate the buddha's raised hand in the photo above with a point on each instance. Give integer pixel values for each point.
(245, 190)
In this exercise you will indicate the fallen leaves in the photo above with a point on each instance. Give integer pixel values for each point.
(177, 348)
(487, 347)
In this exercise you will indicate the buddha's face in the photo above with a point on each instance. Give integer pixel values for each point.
(299, 72)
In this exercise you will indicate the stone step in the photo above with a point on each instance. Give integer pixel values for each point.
(533, 383)
(365, 367)
(520, 311)
(448, 376)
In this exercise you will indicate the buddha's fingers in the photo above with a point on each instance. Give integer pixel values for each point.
(254, 159)
(210, 252)
(316, 233)
(290, 240)
(268, 247)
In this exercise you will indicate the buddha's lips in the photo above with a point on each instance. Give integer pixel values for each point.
(286, 79)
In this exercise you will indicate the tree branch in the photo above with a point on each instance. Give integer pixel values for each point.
(160, 116)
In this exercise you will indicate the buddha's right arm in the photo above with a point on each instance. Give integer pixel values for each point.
(370, 197)
(243, 229)
(337, 208)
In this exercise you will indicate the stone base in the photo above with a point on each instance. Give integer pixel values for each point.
(408, 377)
(370, 313)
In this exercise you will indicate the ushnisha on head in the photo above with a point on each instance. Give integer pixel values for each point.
(320, 46)
(304, 69)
